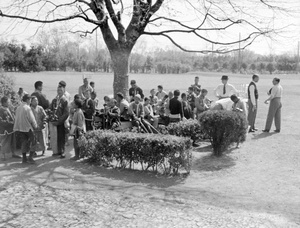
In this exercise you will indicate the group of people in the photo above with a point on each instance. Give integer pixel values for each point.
(36, 121)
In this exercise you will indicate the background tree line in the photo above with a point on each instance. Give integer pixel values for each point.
(53, 53)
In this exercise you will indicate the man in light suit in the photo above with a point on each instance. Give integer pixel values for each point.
(275, 106)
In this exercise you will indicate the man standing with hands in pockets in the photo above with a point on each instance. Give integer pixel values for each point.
(252, 102)
(275, 106)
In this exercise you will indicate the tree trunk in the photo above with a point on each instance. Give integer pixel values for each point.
(120, 61)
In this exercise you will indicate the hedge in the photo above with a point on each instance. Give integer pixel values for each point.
(187, 128)
(223, 128)
(161, 153)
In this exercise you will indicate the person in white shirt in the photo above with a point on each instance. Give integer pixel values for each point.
(224, 90)
(82, 90)
(238, 105)
(252, 102)
(275, 106)
(160, 92)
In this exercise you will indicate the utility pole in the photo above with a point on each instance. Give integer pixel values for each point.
(298, 59)
(239, 58)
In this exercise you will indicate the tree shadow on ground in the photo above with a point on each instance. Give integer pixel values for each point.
(262, 135)
(50, 169)
(210, 162)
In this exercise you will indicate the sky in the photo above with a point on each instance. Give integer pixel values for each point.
(286, 23)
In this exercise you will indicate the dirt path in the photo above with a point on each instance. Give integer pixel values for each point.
(249, 187)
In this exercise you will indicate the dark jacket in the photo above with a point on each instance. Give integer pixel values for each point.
(41, 99)
(60, 108)
(88, 109)
(135, 91)
(6, 121)
(176, 107)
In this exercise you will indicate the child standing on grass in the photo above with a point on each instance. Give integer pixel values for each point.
(78, 127)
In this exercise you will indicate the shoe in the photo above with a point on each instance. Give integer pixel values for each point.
(251, 130)
(16, 156)
(277, 131)
(265, 130)
(195, 145)
(255, 129)
(49, 148)
(75, 158)
(53, 155)
(62, 156)
(30, 160)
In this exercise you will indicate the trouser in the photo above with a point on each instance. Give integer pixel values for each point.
(8, 143)
(27, 138)
(61, 139)
(251, 115)
(88, 125)
(274, 113)
(76, 147)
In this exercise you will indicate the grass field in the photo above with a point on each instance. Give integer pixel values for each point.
(256, 185)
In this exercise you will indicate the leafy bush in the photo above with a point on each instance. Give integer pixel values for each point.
(224, 128)
(7, 84)
(188, 128)
(164, 153)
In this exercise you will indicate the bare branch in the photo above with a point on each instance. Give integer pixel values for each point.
(219, 50)
(85, 33)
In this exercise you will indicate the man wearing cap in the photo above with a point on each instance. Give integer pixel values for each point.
(42, 100)
(134, 90)
(252, 102)
(136, 110)
(225, 90)
(123, 105)
(25, 124)
(84, 88)
(160, 92)
(275, 106)
(60, 108)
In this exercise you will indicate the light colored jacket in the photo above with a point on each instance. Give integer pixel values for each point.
(24, 120)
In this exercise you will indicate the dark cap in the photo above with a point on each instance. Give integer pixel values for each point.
(132, 82)
(26, 97)
(62, 84)
(224, 77)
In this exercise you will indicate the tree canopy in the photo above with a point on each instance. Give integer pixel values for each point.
(213, 25)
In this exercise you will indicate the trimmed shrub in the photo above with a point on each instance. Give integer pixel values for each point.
(164, 153)
(223, 128)
(188, 128)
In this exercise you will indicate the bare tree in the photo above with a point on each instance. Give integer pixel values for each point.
(212, 22)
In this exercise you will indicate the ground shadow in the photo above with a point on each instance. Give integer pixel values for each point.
(212, 163)
(263, 135)
(203, 149)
